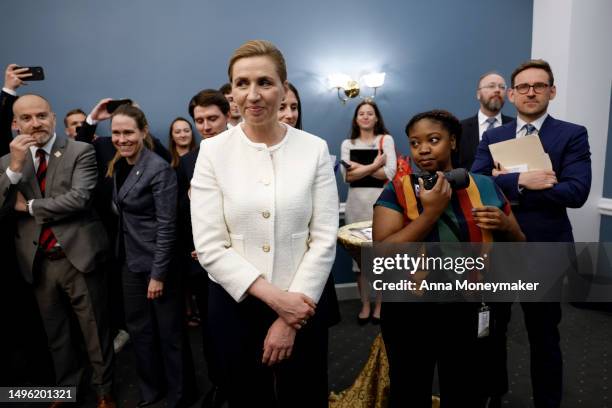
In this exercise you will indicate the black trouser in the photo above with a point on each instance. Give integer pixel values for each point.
(197, 279)
(542, 321)
(115, 292)
(54, 281)
(418, 336)
(237, 332)
(24, 354)
(496, 358)
(156, 331)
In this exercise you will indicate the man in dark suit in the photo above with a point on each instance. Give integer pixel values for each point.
(540, 200)
(210, 111)
(490, 93)
(49, 184)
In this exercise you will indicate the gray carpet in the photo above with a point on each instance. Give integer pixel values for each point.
(586, 337)
(586, 343)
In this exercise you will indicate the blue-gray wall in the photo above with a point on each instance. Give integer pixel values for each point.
(160, 53)
(605, 231)
(607, 187)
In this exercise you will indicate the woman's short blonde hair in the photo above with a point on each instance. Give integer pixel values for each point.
(259, 48)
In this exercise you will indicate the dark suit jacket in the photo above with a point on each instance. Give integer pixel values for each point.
(105, 151)
(468, 142)
(147, 212)
(542, 214)
(7, 225)
(6, 117)
(71, 180)
(104, 146)
(184, 174)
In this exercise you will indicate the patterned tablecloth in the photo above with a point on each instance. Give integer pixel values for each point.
(348, 237)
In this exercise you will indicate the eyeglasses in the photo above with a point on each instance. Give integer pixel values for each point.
(492, 86)
(538, 88)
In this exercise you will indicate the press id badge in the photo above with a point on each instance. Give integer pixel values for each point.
(483, 321)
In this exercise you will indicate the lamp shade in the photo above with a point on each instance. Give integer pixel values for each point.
(374, 80)
(338, 80)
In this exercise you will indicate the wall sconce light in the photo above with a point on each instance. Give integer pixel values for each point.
(351, 88)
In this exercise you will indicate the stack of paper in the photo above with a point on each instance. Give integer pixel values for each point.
(521, 154)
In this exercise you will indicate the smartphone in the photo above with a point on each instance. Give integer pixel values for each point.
(112, 106)
(345, 164)
(37, 73)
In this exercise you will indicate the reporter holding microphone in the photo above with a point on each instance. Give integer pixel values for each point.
(417, 335)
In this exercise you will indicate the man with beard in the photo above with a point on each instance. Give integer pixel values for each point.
(46, 187)
(490, 94)
(540, 199)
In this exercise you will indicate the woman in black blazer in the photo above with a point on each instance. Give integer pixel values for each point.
(144, 194)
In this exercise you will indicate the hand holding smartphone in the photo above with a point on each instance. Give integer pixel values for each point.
(37, 73)
(112, 106)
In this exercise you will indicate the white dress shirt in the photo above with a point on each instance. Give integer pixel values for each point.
(520, 123)
(9, 91)
(483, 125)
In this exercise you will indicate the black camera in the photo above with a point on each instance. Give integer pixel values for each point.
(458, 179)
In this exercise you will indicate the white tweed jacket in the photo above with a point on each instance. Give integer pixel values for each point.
(265, 211)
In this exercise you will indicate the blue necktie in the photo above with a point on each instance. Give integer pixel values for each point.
(491, 122)
(529, 129)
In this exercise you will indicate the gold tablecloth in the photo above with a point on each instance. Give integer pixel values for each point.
(371, 388)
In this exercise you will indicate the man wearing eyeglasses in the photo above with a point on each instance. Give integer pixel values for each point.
(540, 200)
(490, 93)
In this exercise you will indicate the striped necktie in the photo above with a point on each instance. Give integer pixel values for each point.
(529, 129)
(47, 239)
(491, 122)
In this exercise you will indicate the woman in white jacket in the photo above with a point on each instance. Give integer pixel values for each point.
(264, 208)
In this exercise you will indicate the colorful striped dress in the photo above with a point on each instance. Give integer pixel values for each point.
(456, 223)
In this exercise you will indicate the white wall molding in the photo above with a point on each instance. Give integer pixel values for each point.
(605, 206)
(570, 35)
(346, 291)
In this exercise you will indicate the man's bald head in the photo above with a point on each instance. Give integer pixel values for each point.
(33, 116)
(30, 98)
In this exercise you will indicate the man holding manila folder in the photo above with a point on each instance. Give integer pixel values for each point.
(541, 176)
